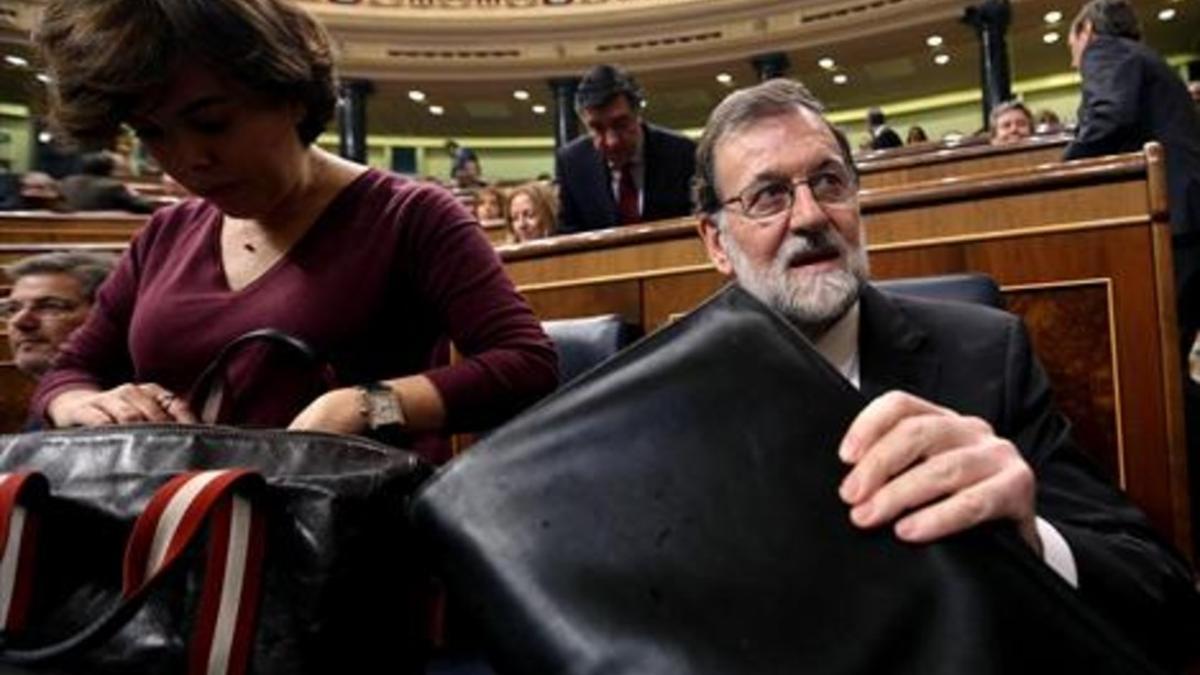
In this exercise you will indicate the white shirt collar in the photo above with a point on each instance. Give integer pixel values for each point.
(839, 345)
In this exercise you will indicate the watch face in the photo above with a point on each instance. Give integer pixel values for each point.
(385, 410)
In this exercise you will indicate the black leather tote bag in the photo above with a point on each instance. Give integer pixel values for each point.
(173, 549)
(676, 511)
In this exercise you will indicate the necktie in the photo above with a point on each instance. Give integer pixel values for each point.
(627, 201)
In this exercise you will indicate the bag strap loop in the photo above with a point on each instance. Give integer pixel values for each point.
(18, 535)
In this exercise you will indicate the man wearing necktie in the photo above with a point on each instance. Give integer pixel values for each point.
(625, 170)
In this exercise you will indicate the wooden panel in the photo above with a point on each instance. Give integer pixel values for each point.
(958, 162)
(1070, 326)
(671, 295)
(15, 390)
(564, 302)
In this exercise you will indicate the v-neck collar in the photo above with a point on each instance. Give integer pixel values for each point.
(322, 221)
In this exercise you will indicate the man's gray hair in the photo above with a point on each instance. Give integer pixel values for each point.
(1004, 107)
(89, 269)
(742, 108)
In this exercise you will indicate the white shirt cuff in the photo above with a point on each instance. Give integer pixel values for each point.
(1056, 552)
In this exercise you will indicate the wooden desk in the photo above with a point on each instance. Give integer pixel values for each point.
(1081, 251)
(890, 171)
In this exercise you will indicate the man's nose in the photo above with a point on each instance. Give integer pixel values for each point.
(807, 213)
(24, 319)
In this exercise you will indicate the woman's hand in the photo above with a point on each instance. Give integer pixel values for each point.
(337, 411)
(125, 404)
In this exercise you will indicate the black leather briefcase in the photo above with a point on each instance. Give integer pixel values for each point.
(676, 511)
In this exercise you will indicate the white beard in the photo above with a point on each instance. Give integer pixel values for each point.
(813, 302)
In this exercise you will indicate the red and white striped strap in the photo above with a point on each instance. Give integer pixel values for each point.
(18, 530)
(224, 630)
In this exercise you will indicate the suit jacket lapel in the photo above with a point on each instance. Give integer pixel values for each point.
(893, 351)
(600, 187)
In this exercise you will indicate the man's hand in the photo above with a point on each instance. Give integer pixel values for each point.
(942, 471)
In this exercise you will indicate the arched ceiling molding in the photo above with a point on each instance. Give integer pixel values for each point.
(377, 43)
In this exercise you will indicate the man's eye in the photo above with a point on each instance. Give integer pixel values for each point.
(210, 126)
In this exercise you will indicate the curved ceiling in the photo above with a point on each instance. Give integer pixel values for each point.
(469, 56)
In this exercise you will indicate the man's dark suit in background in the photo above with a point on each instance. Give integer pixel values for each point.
(585, 184)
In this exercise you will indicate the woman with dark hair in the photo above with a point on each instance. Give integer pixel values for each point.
(376, 273)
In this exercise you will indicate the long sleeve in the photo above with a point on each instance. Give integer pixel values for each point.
(1109, 110)
(508, 362)
(96, 356)
(570, 219)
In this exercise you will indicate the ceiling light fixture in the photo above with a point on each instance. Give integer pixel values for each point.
(44, 78)
(15, 61)
(521, 95)
(941, 59)
(825, 62)
(436, 110)
(1053, 16)
(1166, 14)
(840, 78)
(539, 109)
(416, 95)
(725, 78)
(1050, 38)
(934, 40)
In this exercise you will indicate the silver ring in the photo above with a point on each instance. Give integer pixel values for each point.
(165, 400)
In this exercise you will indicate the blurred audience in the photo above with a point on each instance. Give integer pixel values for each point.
(489, 204)
(882, 136)
(1047, 122)
(1010, 122)
(95, 188)
(916, 135)
(51, 296)
(531, 213)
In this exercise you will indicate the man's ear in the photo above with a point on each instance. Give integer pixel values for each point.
(711, 234)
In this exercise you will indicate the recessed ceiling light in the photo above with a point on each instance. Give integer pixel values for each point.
(45, 137)
(416, 95)
(1050, 38)
(825, 62)
(941, 59)
(1166, 14)
(539, 109)
(724, 78)
(43, 78)
(521, 95)
(15, 61)
(934, 40)
(1053, 16)
(840, 78)
(436, 110)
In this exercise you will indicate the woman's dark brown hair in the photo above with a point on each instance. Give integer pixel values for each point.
(104, 56)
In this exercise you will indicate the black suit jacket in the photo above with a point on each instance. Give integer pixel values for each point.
(585, 184)
(1131, 96)
(885, 138)
(978, 361)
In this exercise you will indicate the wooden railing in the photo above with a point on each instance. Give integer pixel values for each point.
(889, 170)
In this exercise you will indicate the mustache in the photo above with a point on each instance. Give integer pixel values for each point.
(806, 245)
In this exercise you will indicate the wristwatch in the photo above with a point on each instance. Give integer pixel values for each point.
(381, 407)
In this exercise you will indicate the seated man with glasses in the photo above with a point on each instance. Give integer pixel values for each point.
(961, 429)
(51, 296)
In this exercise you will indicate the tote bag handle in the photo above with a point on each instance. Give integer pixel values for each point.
(227, 502)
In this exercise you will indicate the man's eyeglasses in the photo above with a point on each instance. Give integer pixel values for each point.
(43, 307)
(761, 200)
